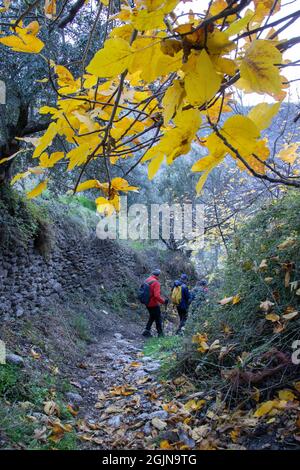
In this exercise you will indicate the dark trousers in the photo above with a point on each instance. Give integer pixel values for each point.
(183, 314)
(155, 316)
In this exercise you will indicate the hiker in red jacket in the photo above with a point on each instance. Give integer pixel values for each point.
(154, 303)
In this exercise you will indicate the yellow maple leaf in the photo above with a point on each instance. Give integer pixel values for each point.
(201, 80)
(257, 69)
(263, 113)
(172, 100)
(241, 133)
(112, 60)
(66, 81)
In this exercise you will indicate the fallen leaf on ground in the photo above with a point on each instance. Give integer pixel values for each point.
(51, 408)
(273, 317)
(288, 243)
(286, 394)
(290, 316)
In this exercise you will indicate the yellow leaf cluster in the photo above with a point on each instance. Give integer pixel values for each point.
(24, 39)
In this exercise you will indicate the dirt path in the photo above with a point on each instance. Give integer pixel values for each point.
(120, 406)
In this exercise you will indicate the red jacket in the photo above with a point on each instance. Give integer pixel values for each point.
(155, 297)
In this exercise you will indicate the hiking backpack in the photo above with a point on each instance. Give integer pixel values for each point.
(144, 293)
(176, 295)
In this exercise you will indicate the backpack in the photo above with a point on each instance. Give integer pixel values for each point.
(144, 294)
(176, 295)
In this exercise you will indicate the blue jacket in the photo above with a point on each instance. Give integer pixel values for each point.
(186, 297)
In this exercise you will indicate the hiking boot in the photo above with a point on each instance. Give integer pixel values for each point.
(147, 334)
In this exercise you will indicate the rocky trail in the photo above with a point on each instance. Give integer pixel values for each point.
(118, 396)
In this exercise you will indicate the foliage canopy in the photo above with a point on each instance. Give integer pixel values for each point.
(162, 81)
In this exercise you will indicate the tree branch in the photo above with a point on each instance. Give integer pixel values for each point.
(71, 14)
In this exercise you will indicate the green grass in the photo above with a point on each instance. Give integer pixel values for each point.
(19, 429)
(16, 425)
(159, 347)
(78, 201)
(81, 327)
(165, 350)
(9, 381)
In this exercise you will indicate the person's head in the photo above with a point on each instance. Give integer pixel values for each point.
(156, 272)
(183, 278)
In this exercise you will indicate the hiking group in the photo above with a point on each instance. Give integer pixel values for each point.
(181, 298)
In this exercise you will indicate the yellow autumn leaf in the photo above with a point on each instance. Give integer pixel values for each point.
(201, 80)
(205, 164)
(89, 184)
(78, 155)
(120, 184)
(242, 134)
(236, 299)
(108, 206)
(265, 408)
(263, 113)
(286, 395)
(194, 405)
(273, 317)
(49, 161)
(50, 8)
(65, 80)
(165, 445)
(257, 70)
(172, 100)
(289, 153)
(19, 176)
(45, 140)
(143, 20)
(35, 192)
(112, 60)
(238, 26)
(155, 165)
(25, 39)
(51, 408)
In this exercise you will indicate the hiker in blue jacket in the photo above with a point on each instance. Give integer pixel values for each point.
(183, 301)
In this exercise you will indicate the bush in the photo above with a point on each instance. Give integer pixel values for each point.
(263, 265)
